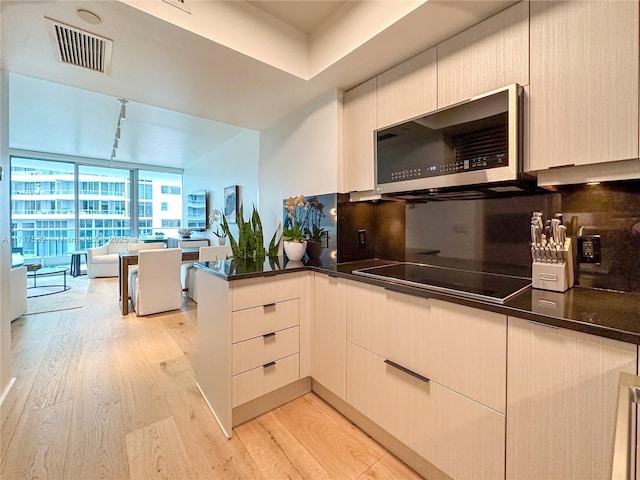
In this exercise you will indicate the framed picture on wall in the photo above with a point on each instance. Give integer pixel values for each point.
(231, 203)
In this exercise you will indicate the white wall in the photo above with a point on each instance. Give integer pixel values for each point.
(233, 163)
(300, 154)
(5, 249)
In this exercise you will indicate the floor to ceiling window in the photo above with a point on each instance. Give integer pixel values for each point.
(43, 218)
(103, 204)
(58, 207)
(159, 202)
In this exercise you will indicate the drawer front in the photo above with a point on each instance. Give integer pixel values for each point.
(365, 305)
(461, 437)
(258, 321)
(476, 344)
(462, 348)
(254, 292)
(261, 350)
(259, 381)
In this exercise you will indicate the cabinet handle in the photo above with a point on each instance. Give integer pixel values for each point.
(267, 335)
(624, 440)
(268, 305)
(407, 371)
(543, 324)
(270, 364)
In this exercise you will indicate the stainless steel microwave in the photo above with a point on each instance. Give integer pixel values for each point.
(472, 143)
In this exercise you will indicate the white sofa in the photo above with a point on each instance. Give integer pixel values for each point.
(103, 261)
(17, 292)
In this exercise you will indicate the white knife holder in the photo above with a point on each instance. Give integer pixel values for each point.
(557, 277)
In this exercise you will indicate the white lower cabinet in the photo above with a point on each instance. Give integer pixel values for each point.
(432, 374)
(253, 343)
(561, 401)
(461, 437)
(328, 365)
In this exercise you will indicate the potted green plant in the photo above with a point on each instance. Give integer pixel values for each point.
(293, 232)
(214, 217)
(185, 232)
(249, 247)
(222, 236)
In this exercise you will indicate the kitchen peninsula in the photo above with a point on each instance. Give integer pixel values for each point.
(425, 373)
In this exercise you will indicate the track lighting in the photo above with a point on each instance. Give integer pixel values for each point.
(121, 117)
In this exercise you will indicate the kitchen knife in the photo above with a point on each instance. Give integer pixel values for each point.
(555, 223)
(558, 216)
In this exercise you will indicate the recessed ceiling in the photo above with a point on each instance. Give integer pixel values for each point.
(167, 58)
(304, 16)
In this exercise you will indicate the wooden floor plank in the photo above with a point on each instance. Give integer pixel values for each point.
(156, 342)
(212, 454)
(156, 451)
(38, 447)
(389, 468)
(276, 451)
(55, 379)
(182, 328)
(343, 456)
(345, 423)
(142, 399)
(96, 440)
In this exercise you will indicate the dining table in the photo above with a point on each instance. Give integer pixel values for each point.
(130, 257)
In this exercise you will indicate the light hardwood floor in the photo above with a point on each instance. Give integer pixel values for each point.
(105, 396)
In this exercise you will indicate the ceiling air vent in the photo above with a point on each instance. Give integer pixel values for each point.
(80, 48)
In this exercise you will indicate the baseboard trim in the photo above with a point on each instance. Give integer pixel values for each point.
(252, 409)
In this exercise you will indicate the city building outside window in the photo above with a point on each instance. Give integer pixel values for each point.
(46, 225)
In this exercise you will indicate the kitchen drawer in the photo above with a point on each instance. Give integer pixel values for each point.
(267, 348)
(459, 347)
(264, 379)
(254, 292)
(461, 437)
(257, 321)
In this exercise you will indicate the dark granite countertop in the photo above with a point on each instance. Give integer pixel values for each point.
(604, 313)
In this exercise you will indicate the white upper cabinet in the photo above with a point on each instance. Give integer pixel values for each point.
(489, 55)
(360, 120)
(408, 90)
(584, 82)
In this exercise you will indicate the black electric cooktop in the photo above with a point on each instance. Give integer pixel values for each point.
(490, 287)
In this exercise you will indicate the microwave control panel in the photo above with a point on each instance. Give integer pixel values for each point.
(469, 165)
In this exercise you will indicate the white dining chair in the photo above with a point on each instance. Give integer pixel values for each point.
(155, 285)
(207, 254)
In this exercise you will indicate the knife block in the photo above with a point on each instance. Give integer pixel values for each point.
(557, 277)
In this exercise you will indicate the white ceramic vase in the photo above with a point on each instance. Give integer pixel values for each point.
(295, 250)
(222, 240)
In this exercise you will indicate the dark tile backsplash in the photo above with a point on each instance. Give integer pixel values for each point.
(496, 231)
(611, 210)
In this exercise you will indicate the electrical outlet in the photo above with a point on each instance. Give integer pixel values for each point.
(589, 249)
(362, 239)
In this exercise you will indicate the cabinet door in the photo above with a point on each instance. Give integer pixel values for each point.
(359, 124)
(330, 333)
(489, 55)
(408, 89)
(365, 305)
(562, 389)
(584, 82)
(459, 436)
